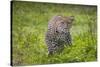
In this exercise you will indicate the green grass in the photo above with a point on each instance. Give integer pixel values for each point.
(29, 25)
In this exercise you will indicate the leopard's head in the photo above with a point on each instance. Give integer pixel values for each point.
(63, 24)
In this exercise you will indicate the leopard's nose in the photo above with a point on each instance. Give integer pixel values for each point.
(56, 31)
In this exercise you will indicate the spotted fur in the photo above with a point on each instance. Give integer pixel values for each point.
(58, 33)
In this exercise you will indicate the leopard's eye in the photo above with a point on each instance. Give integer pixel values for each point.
(62, 22)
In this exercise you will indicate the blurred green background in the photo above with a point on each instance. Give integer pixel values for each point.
(29, 25)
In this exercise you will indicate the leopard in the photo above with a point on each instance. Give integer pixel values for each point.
(58, 33)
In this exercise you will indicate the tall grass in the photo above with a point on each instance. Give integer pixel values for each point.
(29, 25)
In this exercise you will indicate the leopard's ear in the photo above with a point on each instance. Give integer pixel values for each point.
(72, 18)
(59, 16)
